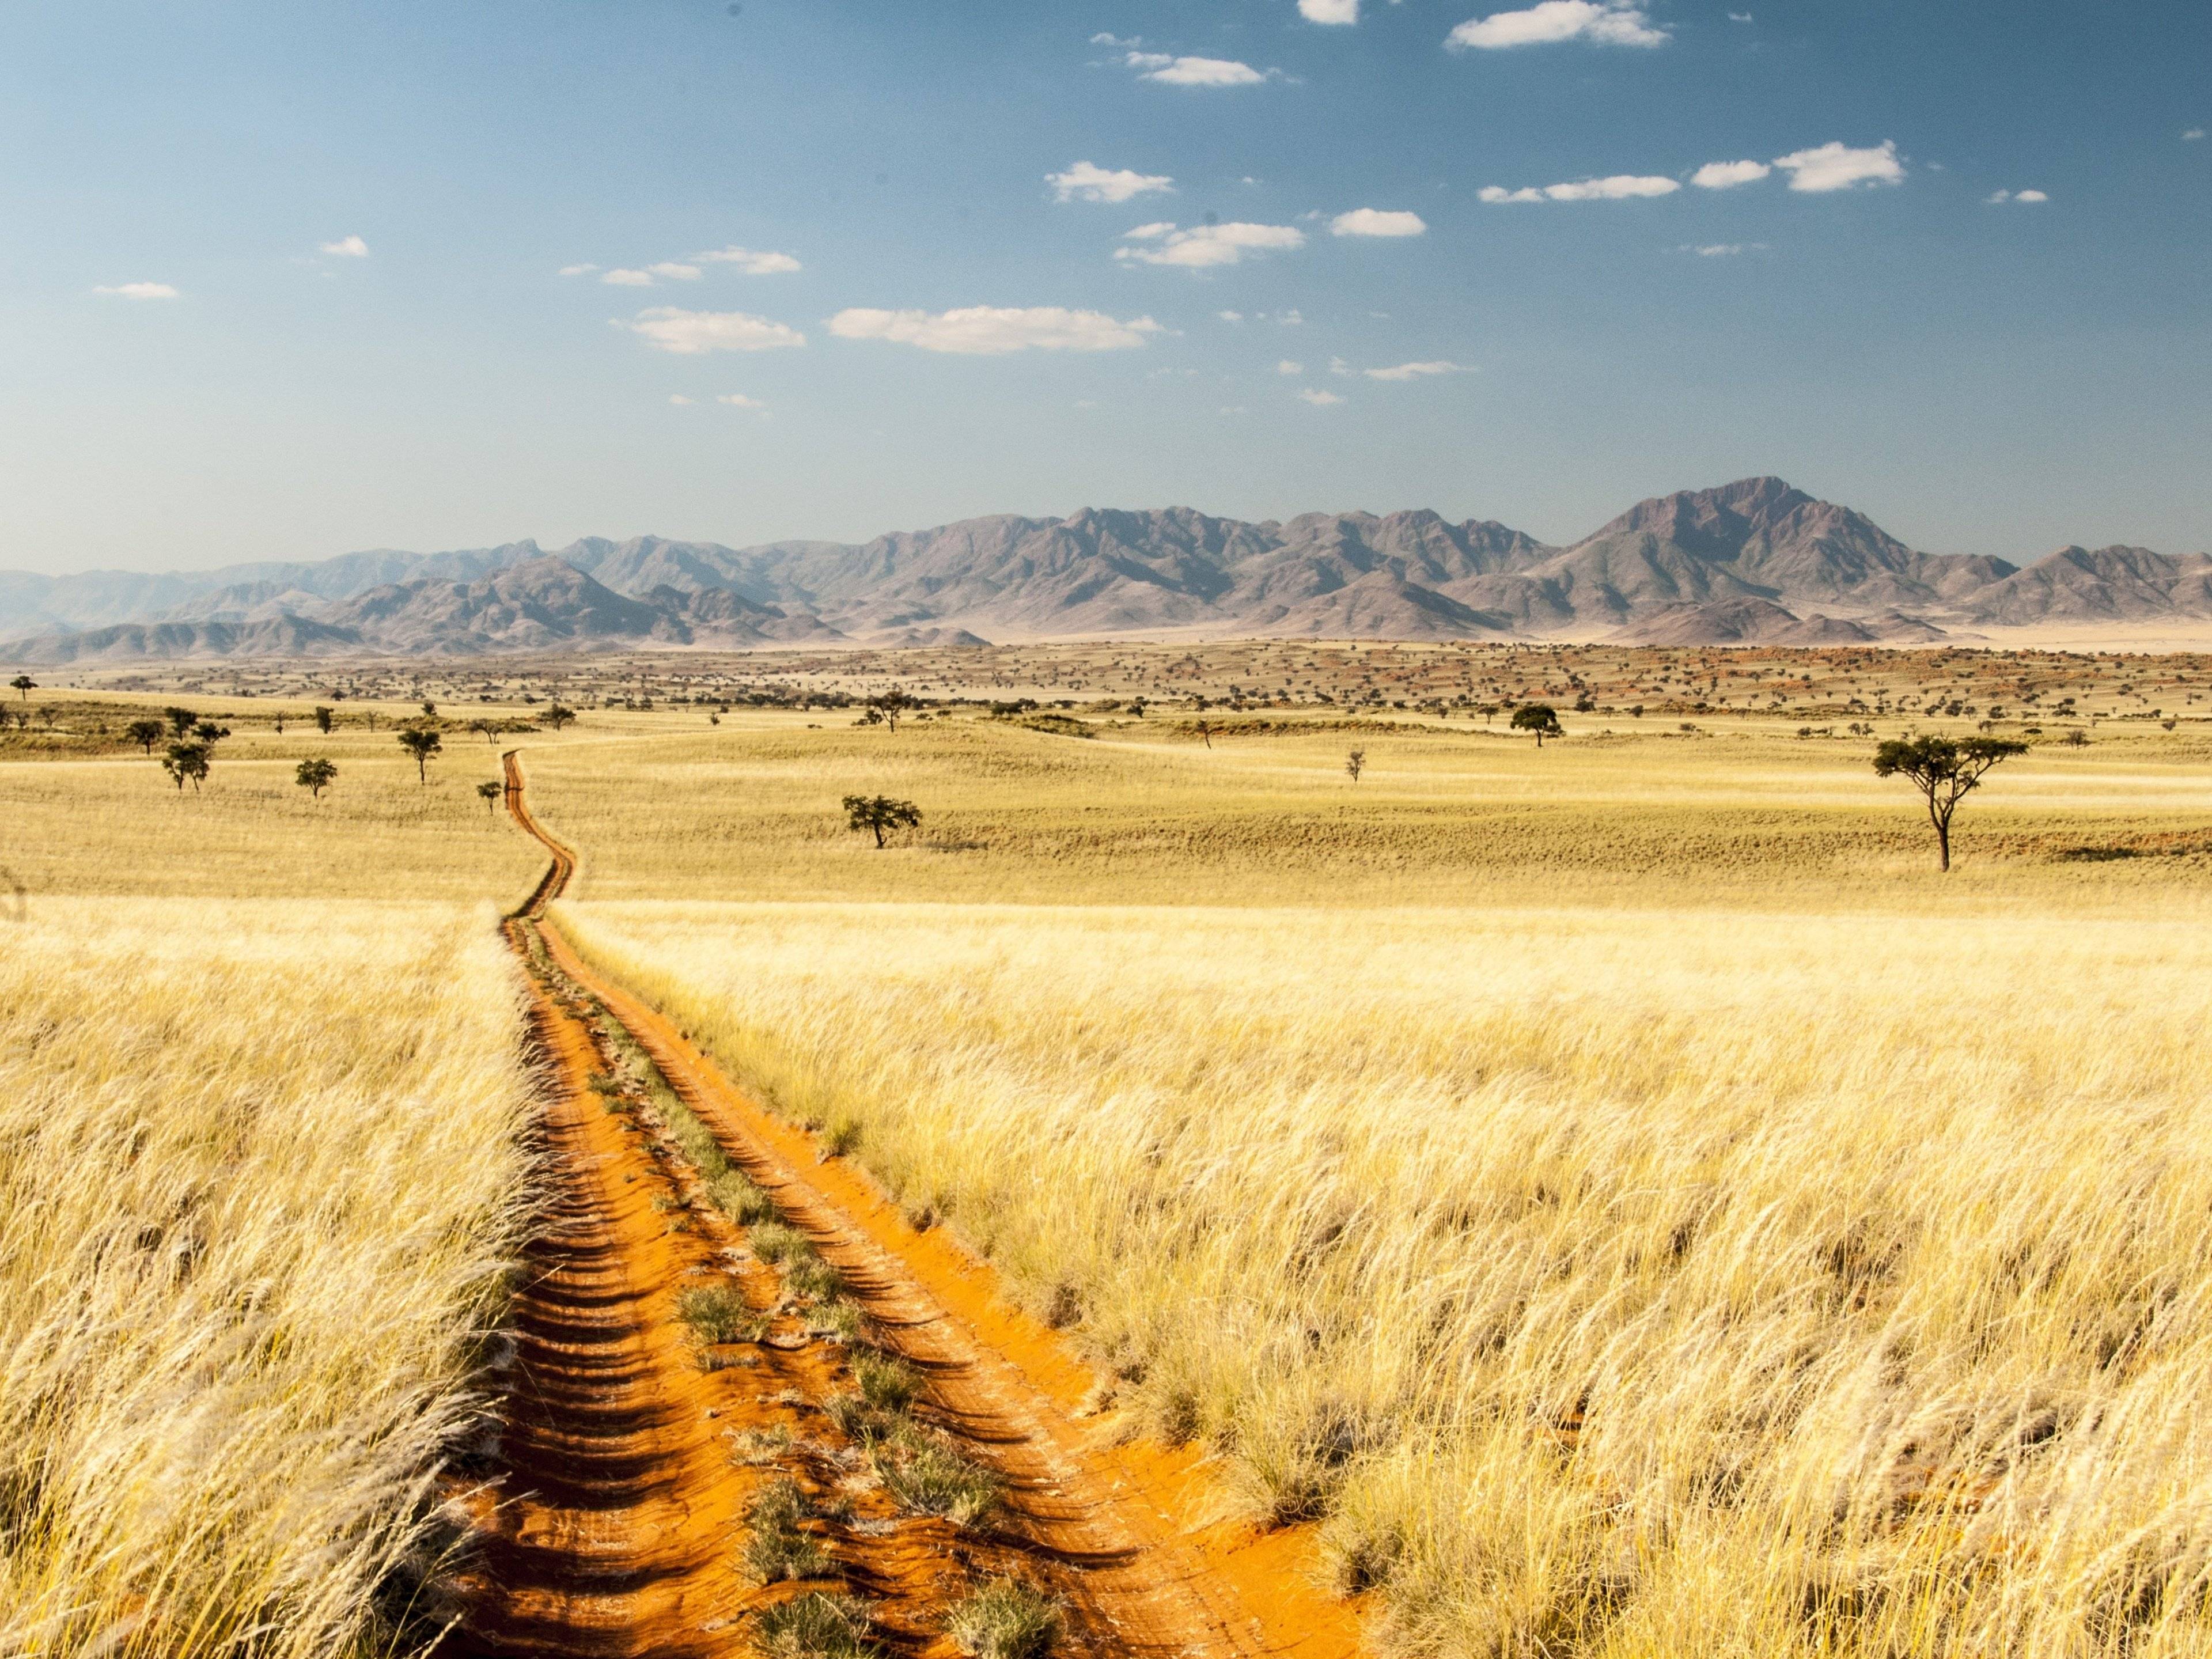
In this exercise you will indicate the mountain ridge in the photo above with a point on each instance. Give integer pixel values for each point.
(1756, 559)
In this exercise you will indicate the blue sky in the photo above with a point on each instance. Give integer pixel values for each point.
(1762, 238)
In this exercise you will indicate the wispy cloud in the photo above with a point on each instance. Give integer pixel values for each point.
(1202, 247)
(1288, 367)
(578, 270)
(1621, 187)
(139, 291)
(1174, 72)
(739, 400)
(1377, 222)
(1603, 22)
(2193, 134)
(680, 400)
(1838, 166)
(346, 247)
(1086, 181)
(1718, 250)
(1329, 11)
(994, 331)
(1416, 371)
(620, 277)
(2000, 198)
(750, 262)
(1727, 175)
(692, 333)
(1317, 397)
(671, 269)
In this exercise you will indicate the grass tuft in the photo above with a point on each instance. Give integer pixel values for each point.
(817, 1626)
(1005, 1619)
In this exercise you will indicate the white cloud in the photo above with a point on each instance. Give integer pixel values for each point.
(1622, 186)
(1997, 199)
(739, 400)
(1205, 245)
(1607, 22)
(680, 273)
(1416, 371)
(1193, 71)
(1718, 250)
(1377, 222)
(679, 400)
(1337, 366)
(1152, 232)
(1838, 166)
(578, 270)
(1086, 181)
(2193, 134)
(2030, 196)
(1329, 11)
(621, 278)
(1289, 318)
(1286, 367)
(1230, 316)
(993, 331)
(346, 247)
(140, 291)
(1727, 175)
(689, 333)
(1319, 398)
(750, 262)
(1739, 17)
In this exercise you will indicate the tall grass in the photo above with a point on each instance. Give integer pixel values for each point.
(1681, 1282)
(261, 1171)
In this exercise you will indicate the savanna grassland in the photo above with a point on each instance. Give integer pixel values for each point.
(1616, 1192)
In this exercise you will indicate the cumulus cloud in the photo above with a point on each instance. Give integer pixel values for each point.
(1377, 222)
(1317, 397)
(690, 333)
(1204, 245)
(578, 270)
(1727, 175)
(1416, 371)
(622, 278)
(739, 400)
(993, 330)
(680, 273)
(1329, 11)
(1621, 187)
(140, 291)
(1605, 22)
(346, 247)
(750, 262)
(1086, 181)
(1838, 166)
(1175, 71)
(1286, 367)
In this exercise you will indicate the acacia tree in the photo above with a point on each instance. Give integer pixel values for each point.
(186, 761)
(181, 721)
(1206, 732)
(891, 705)
(420, 742)
(322, 719)
(314, 776)
(488, 792)
(24, 685)
(1945, 770)
(1355, 763)
(145, 733)
(879, 813)
(556, 716)
(1538, 717)
(489, 727)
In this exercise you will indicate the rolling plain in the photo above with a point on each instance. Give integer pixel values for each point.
(1607, 1198)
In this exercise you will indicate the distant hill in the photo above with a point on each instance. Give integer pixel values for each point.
(1754, 561)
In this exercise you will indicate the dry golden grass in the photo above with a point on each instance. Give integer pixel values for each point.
(261, 1168)
(1680, 1283)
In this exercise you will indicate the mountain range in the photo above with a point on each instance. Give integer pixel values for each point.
(1751, 562)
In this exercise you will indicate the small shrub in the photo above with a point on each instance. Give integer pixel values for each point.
(928, 1477)
(816, 1626)
(777, 1549)
(811, 1276)
(856, 1419)
(757, 1446)
(718, 1313)
(1005, 1619)
(886, 1383)
(736, 1197)
(776, 1243)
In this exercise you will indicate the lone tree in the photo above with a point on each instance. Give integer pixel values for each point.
(314, 776)
(186, 761)
(181, 721)
(879, 813)
(1355, 763)
(145, 733)
(489, 791)
(891, 705)
(420, 742)
(24, 685)
(322, 719)
(489, 727)
(556, 716)
(1943, 769)
(1538, 717)
(1206, 732)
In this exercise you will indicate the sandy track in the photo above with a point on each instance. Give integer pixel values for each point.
(618, 1518)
